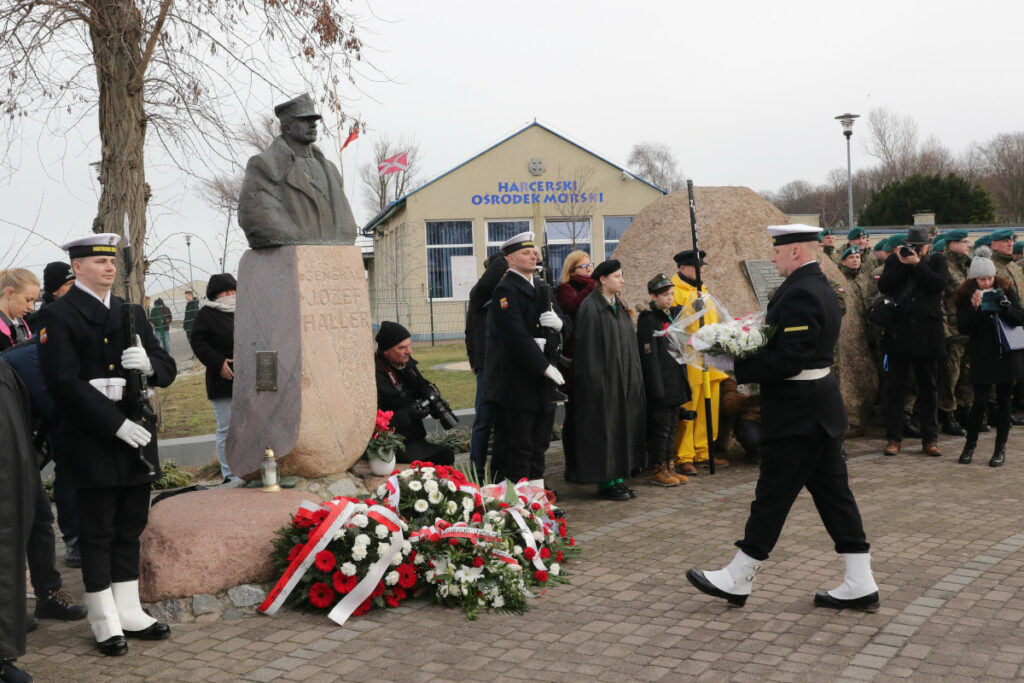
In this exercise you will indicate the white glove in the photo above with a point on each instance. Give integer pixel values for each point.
(723, 363)
(551, 320)
(135, 358)
(554, 375)
(135, 435)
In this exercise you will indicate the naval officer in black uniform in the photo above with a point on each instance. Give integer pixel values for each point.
(519, 309)
(85, 353)
(804, 420)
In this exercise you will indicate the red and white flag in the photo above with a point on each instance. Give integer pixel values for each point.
(351, 136)
(399, 162)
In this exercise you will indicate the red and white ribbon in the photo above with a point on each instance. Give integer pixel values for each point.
(527, 537)
(463, 530)
(340, 513)
(358, 595)
(394, 490)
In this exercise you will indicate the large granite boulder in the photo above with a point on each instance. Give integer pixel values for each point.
(731, 224)
(309, 305)
(209, 541)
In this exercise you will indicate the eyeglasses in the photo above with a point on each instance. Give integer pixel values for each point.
(585, 266)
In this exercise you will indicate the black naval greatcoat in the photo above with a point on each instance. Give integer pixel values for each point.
(803, 420)
(516, 306)
(80, 339)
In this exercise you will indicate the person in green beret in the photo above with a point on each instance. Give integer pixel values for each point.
(1018, 250)
(955, 391)
(828, 243)
(1002, 255)
(983, 241)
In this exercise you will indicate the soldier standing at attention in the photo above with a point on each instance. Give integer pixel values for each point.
(955, 391)
(86, 354)
(804, 419)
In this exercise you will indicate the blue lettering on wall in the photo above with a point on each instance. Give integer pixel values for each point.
(529, 192)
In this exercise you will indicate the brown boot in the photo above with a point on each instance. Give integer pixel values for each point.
(661, 477)
(686, 468)
(930, 448)
(892, 448)
(720, 463)
(670, 470)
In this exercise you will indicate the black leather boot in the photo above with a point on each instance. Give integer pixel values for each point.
(999, 456)
(950, 425)
(910, 429)
(967, 454)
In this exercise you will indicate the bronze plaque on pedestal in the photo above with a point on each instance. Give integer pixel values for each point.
(764, 278)
(266, 371)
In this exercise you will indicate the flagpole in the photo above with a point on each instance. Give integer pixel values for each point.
(341, 165)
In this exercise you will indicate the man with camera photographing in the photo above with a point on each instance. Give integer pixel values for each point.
(410, 396)
(914, 277)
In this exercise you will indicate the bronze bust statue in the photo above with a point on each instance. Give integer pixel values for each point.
(291, 194)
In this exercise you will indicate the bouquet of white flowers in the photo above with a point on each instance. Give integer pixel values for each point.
(738, 338)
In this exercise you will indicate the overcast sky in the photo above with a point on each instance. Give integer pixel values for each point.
(744, 93)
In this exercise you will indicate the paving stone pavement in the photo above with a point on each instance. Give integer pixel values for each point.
(948, 548)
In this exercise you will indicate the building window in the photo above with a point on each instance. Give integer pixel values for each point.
(444, 240)
(500, 231)
(565, 235)
(614, 227)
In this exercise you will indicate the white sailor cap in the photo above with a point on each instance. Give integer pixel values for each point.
(99, 244)
(788, 234)
(520, 241)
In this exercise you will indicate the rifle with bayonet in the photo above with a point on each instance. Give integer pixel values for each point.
(552, 339)
(137, 388)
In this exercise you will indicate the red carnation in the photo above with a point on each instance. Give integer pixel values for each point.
(391, 601)
(503, 506)
(406, 575)
(529, 553)
(363, 608)
(453, 541)
(558, 557)
(545, 553)
(478, 561)
(343, 584)
(476, 518)
(325, 560)
(541, 576)
(320, 595)
(535, 506)
(294, 552)
(378, 591)
(572, 541)
(561, 531)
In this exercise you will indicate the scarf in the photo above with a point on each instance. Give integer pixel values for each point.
(224, 303)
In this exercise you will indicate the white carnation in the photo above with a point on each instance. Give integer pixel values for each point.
(420, 559)
(498, 602)
(391, 578)
(554, 569)
(360, 521)
(415, 486)
(420, 505)
(468, 503)
(406, 547)
(427, 472)
(361, 508)
(397, 560)
(538, 536)
(381, 531)
(383, 549)
(382, 491)
(455, 591)
(359, 553)
(361, 540)
(435, 497)
(405, 474)
(430, 486)
(348, 569)
(452, 507)
(452, 487)
(517, 550)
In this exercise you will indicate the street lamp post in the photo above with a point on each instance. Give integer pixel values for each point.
(846, 121)
(188, 243)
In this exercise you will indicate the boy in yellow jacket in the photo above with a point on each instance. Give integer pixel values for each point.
(691, 437)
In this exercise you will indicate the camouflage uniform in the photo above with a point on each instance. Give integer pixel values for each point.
(954, 381)
(1011, 270)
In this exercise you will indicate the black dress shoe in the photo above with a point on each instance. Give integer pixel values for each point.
(910, 429)
(868, 603)
(156, 631)
(701, 583)
(114, 646)
(999, 456)
(632, 493)
(967, 454)
(614, 493)
(12, 674)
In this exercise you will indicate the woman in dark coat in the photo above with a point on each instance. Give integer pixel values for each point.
(575, 283)
(609, 390)
(213, 342)
(990, 364)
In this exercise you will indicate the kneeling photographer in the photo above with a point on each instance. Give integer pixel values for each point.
(404, 391)
(914, 277)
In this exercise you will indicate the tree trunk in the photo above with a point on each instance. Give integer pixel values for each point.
(116, 34)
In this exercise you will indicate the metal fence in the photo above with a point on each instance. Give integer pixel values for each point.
(427, 319)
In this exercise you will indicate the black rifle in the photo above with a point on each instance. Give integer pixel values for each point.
(698, 304)
(552, 339)
(139, 410)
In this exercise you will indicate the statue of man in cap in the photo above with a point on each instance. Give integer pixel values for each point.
(291, 194)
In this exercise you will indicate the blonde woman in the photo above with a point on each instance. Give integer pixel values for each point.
(576, 283)
(19, 289)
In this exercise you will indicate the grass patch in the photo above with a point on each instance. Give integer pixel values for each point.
(458, 387)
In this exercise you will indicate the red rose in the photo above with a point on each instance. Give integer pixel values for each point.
(541, 576)
(558, 557)
(378, 591)
(325, 560)
(320, 595)
(406, 575)
(478, 561)
(294, 552)
(545, 553)
(529, 553)
(343, 584)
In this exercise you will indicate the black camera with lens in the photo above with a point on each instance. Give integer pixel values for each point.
(435, 406)
(907, 252)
